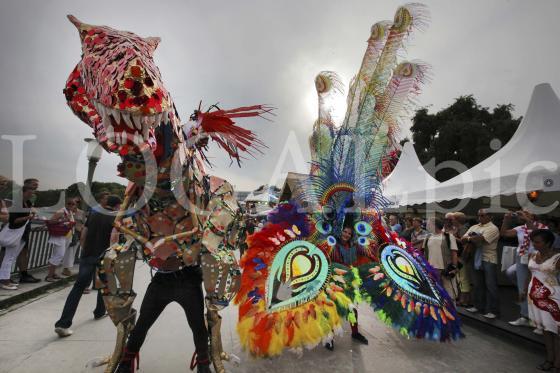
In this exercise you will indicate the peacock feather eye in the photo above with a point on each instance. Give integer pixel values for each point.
(297, 274)
(363, 241)
(329, 213)
(331, 241)
(323, 227)
(408, 275)
(362, 228)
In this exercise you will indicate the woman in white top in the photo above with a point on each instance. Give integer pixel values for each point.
(544, 295)
(60, 243)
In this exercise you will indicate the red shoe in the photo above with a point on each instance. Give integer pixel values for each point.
(201, 365)
(130, 361)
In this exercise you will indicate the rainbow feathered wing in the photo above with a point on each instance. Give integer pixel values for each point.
(292, 295)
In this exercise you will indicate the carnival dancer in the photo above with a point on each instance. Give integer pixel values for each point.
(346, 252)
(179, 218)
(293, 295)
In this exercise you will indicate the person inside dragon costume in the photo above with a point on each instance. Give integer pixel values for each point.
(294, 292)
(349, 253)
(175, 215)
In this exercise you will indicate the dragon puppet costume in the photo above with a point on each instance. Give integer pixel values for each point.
(293, 293)
(178, 218)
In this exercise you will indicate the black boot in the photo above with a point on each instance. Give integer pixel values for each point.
(203, 368)
(360, 338)
(26, 278)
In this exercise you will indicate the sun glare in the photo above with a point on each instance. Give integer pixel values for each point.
(335, 102)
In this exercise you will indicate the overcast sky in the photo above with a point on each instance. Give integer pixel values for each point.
(247, 52)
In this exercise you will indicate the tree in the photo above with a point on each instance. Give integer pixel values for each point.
(7, 187)
(462, 132)
(47, 198)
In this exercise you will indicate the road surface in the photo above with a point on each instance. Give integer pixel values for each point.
(28, 344)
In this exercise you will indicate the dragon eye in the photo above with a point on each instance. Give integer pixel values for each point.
(331, 241)
(362, 228)
(323, 227)
(363, 241)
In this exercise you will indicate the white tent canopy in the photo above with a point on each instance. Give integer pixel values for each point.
(407, 177)
(529, 161)
(264, 194)
(263, 197)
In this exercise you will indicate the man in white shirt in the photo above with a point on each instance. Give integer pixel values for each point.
(484, 236)
(440, 249)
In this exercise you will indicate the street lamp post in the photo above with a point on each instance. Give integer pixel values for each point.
(94, 151)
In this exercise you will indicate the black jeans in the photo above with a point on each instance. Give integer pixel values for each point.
(88, 266)
(183, 287)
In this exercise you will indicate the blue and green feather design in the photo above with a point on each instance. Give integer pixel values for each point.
(405, 293)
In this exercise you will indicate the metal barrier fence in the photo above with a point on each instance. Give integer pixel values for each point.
(40, 250)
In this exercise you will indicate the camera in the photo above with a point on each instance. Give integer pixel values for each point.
(449, 272)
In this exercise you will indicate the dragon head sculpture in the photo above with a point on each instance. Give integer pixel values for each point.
(117, 89)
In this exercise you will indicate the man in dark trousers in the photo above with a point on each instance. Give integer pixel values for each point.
(96, 238)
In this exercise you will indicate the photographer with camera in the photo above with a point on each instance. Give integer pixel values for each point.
(440, 249)
(520, 270)
(482, 239)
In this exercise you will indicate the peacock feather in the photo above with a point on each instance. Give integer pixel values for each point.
(327, 84)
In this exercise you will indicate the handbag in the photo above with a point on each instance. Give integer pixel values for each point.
(59, 228)
(508, 257)
(10, 237)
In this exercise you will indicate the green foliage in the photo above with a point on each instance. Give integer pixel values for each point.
(48, 198)
(461, 132)
(97, 188)
(6, 188)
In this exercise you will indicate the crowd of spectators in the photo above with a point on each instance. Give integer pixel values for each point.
(64, 227)
(467, 256)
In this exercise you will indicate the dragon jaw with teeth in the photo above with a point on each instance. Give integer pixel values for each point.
(189, 216)
(117, 89)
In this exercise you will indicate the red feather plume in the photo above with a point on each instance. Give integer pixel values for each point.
(220, 127)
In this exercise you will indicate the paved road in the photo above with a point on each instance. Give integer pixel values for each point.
(28, 344)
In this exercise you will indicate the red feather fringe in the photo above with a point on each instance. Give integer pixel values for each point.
(221, 128)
